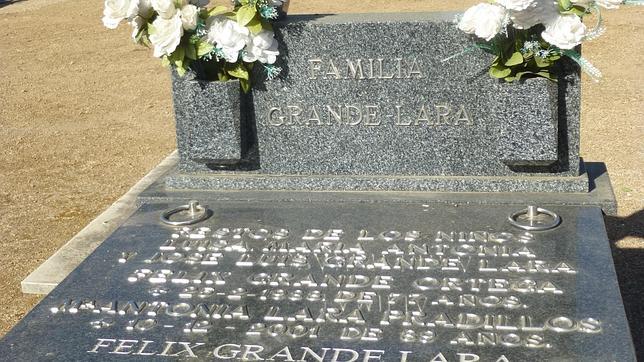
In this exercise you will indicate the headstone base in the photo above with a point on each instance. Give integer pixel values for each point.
(257, 181)
(597, 191)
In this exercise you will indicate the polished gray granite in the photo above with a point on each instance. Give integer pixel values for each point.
(271, 280)
(599, 193)
(364, 102)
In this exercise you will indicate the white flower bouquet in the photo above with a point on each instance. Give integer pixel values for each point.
(216, 44)
(529, 36)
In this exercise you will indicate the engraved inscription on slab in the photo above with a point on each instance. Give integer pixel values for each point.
(333, 283)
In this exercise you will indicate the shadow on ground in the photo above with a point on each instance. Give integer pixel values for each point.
(630, 269)
(4, 3)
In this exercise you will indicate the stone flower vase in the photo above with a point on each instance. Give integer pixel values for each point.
(529, 137)
(209, 123)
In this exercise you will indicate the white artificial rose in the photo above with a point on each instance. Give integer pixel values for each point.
(566, 32)
(484, 20)
(117, 10)
(144, 11)
(228, 36)
(540, 12)
(165, 8)
(610, 4)
(262, 47)
(516, 5)
(189, 17)
(166, 35)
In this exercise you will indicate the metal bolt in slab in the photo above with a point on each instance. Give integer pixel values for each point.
(196, 213)
(534, 218)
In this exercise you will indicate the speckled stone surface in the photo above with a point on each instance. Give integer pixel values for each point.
(600, 194)
(209, 122)
(255, 181)
(366, 103)
(406, 112)
(530, 138)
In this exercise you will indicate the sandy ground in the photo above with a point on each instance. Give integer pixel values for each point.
(84, 114)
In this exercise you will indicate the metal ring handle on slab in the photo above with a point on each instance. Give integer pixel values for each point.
(531, 213)
(198, 214)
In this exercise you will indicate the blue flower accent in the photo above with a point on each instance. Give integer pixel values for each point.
(272, 71)
(268, 12)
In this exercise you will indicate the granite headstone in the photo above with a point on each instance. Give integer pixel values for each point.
(367, 102)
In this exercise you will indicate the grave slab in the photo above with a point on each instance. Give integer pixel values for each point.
(398, 282)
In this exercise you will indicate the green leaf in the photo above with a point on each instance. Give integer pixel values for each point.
(142, 37)
(542, 63)
(267, 26)
(515, 59)
(255, 25)
(217, 10)
(145, 40)
(178, 56)
(239, 71)
(222, 76)
(520, 75)
(203, 48)
(139, 34)
(191, 52)
(496, 61)
(245, 14)
(245, 85)
(165, 61)
(181, 71)
(499, 71)
(580, 10)
(548, 75)
(565, 4)
(576, 10)
(151, 29)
